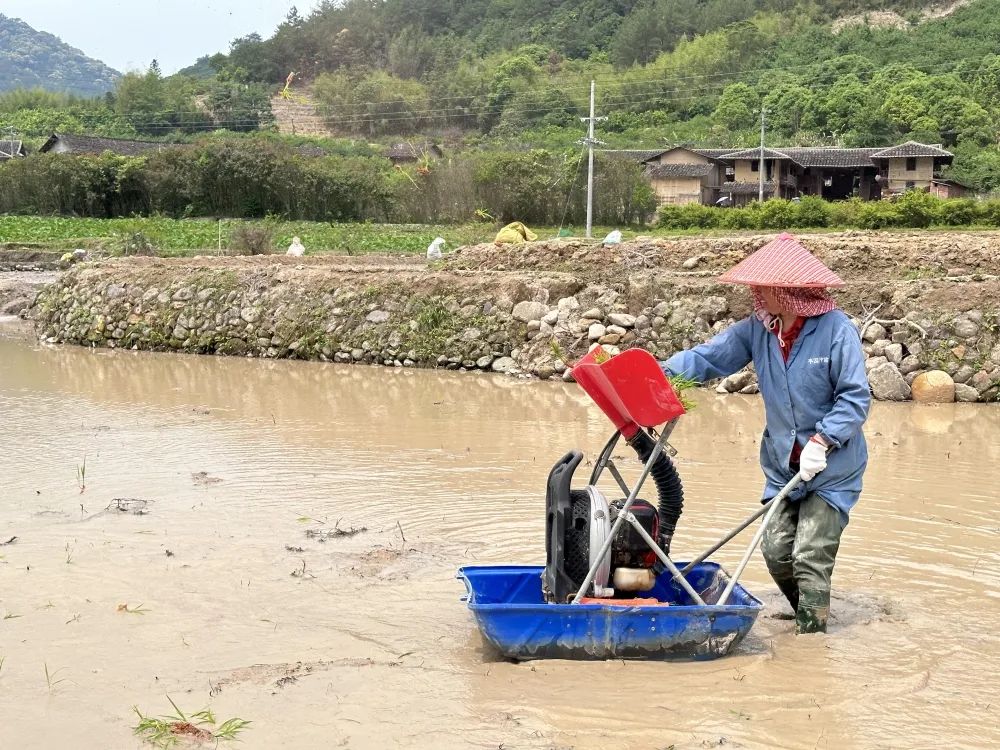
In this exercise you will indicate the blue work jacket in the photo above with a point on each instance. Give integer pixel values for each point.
(822, 389)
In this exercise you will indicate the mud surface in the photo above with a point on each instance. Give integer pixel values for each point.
(18, 288)
(353, 635)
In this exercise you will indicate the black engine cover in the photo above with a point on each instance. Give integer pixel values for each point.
(629, 549)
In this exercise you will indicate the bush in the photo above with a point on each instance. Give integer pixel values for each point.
(915, 208)
(778, 214)
(989, 213)
(689, 216)
(958, 213)
(740, 218)
(879, 215)
(133, 243)
(812, 211)
(846, 213)
(251, 239)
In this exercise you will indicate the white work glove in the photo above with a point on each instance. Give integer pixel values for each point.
(812, 460)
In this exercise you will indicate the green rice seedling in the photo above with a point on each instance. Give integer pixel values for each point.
(81, 474)
(167, 731)
(681, 386)
(50, 680)
(230, 728)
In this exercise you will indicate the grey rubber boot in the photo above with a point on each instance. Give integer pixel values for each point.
(813, 611)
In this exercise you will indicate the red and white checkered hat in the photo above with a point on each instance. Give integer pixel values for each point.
(782, 262)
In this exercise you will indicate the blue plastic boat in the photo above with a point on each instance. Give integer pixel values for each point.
(512, 613)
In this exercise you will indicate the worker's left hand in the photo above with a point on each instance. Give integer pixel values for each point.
(813, 459)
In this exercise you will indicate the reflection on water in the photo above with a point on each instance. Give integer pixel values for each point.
(442, 469)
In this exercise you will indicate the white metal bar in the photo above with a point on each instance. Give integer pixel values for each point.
(775, 503)
(732, 534)
(657, 449)
(665, 559)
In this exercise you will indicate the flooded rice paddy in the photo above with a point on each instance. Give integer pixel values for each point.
(278, 541)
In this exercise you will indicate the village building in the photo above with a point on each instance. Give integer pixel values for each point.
(682, 174)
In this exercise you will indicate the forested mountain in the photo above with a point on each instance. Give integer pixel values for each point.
(35, 59)
(514, 75)
(516, 71)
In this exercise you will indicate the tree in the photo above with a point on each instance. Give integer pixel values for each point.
(787, 105)
(738, 107)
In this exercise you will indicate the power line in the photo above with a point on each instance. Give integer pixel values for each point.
(659, 81)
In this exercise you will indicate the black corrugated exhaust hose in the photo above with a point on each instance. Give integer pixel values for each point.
(668, 486)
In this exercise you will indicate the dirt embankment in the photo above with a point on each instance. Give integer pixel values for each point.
(926, 301)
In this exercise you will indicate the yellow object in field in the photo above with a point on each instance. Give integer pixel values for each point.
(514, 233)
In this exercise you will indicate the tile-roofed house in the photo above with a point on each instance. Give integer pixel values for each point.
(10, 149)
(754, 153)
(639, 155)
(910, 166)
(746, 188)
(665, 171)
(912, 149)
(685, 174)
(831, 157)
(91, 144)
(681, 175)
(713, 153)
(838, 173)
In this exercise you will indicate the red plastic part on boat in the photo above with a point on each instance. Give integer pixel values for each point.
(629, 387)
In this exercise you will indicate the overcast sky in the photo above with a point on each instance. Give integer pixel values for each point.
(127, 34)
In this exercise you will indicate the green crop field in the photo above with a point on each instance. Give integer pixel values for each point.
(203, 236)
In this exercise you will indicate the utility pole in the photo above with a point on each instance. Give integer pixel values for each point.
(590, 142)
(760, 196)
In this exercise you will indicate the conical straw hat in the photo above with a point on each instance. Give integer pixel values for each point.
(782, 262)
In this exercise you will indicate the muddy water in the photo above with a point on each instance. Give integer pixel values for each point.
(360, 641)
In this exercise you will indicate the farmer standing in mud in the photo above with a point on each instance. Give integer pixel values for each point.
(811, 371)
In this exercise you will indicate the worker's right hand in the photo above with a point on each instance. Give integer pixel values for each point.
(812, 460)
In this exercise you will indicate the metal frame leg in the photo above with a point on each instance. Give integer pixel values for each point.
(665, 559)
(657, 450)
(774, 504)
(735, 532)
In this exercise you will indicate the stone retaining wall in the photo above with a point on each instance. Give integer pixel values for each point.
(502, 321)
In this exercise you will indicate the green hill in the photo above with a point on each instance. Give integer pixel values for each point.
(35, 59)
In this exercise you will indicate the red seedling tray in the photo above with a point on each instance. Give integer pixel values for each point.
(629, 387)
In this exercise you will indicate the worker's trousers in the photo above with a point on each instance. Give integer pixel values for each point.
(800, 547)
